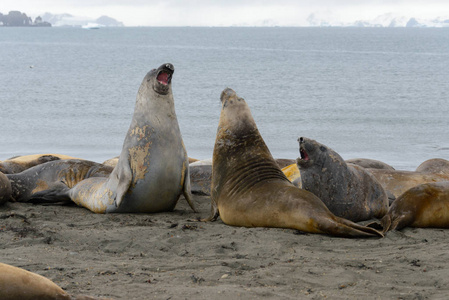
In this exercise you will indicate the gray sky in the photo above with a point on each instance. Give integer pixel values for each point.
(229, 12)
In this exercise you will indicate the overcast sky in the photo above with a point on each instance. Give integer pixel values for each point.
(229, 12)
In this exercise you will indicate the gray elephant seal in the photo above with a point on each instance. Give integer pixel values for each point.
(347, 190)
(425, 205)
(153, 168)
(369, 163)
(434, 165)
(19, 164)
(249, 189)
(54, 177)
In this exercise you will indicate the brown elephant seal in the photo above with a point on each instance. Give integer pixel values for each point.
(111, 162)
(349, 191)
(425, 205)
(5, 189)
(18, 164)
(201, 174)
(54, 177)
(396, 182)
(434, 165)
(19, 284)
(369, 163)
(153, 168)
(250, 190)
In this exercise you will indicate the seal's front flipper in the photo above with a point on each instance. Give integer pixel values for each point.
(123, 179)
(56, 193)
(186, 190)
(214, 213)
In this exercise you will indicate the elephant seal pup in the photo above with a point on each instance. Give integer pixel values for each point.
(153, 168)
(5, 189)
(369, 163)
(20, 284)
(397, 182)
(434, 165)
(425, 205)
(53, 178)
(349, 191)
(18, 164)
(250, 190)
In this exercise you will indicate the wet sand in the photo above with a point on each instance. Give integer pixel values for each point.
(170, 256)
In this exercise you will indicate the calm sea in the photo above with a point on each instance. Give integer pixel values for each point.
(380, 93)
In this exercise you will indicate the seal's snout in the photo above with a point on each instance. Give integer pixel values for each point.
(227, 94)
(301, 140)
(170, 67)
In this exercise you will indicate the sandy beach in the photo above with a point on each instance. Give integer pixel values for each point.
(170, 256)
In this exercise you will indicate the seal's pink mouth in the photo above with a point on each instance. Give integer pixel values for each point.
(304, 155)
(164, 78)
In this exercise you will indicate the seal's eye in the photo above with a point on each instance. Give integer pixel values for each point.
(322, 148)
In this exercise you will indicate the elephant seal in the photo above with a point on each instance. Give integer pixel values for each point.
(18, 164)
(53, 177)
(293, 174)
(425, 205)
(396, 182)
(434, 165)
(369, 163)
(250, 190)
(19, 284)
(5, 189)
(349, 191)
(153, 168)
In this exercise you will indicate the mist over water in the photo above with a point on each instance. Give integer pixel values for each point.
(379, 93)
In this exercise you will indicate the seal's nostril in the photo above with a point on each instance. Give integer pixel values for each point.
(301, 139)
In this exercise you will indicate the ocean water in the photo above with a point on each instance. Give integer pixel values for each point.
(379, 93)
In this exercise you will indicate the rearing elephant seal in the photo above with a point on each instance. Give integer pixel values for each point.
(425, 205)
(153, 167)
(249, 189)
(348, 190)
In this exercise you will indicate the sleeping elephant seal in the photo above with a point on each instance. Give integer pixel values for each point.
(434, 165)
(425, 205)
(19, 284)
(18, 164)
(249, 189)
(369, 163)
(54, 177)
(396, 182)
(153, 168)
(347, 190)
(5, 189)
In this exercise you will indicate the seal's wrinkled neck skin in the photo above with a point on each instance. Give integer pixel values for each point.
(239, 149)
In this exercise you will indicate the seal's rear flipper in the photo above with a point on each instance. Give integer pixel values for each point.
(57, 193)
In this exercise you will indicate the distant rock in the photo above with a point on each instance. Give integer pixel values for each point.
(68, 20)
(384, 20)
(17, 18)
(108, 21)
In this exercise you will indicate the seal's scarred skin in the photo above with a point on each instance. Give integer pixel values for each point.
(348, 190)
(425, 205)
(153, 168)
(249, 189)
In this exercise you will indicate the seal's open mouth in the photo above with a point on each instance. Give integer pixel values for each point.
(304, 155)
(164, 77)
(302, 151)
